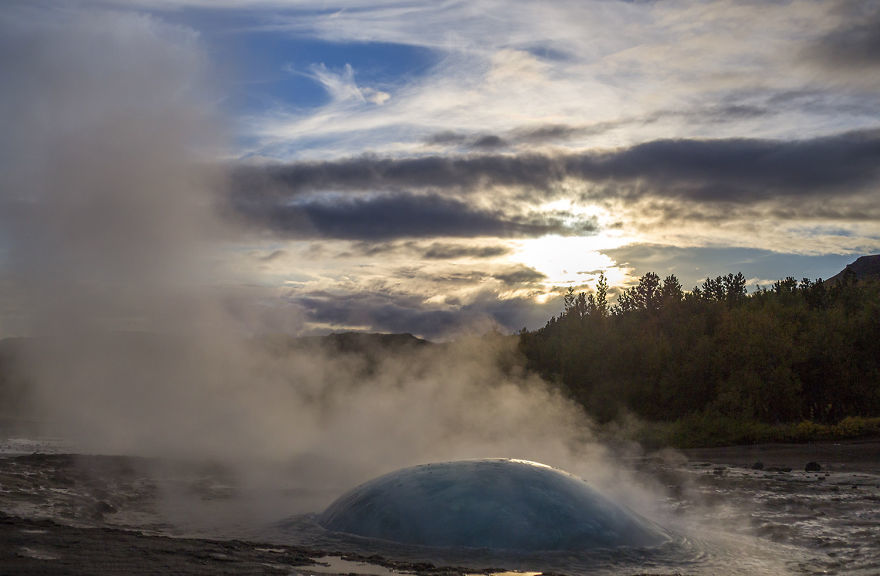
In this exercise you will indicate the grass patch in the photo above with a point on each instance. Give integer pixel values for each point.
(707, 430)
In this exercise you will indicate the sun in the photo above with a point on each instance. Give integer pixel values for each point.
(570, 260)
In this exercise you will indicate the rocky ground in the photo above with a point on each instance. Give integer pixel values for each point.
(47, 547)
(97, 515)
(861, 455)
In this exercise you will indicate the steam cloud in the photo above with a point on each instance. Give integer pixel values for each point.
(111, 232)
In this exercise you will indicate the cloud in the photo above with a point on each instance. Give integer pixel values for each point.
(381, 312)
(739, 109)
(398, 312)
(489, 141)
(389, 216)
(529, 135)
(445, 251)
(447, 137)
(473, 141)
(743, 170)
(629, 72)
(556, 132)
(520, 275)
(371, 173)
(427, 250)
(735, 170)
(341, 86)
(855, 43)
(274, 255)
(375, 96)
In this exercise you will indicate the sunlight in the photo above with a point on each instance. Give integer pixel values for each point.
(568, 260)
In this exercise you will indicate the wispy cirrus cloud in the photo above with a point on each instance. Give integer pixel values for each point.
(341, 86)
(686, 68)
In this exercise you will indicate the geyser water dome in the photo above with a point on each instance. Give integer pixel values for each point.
(496, 504)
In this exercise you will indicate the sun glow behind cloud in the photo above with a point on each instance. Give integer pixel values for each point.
(569, 260)
(575, 261)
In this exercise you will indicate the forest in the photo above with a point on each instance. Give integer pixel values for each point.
(796, 360)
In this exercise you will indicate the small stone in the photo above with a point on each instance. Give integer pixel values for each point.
(104, 507)
(758, 465)
(813, 467)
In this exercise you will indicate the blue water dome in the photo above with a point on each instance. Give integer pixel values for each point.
(495, 504)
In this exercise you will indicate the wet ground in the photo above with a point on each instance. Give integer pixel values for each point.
(820, 500)
(741, 510)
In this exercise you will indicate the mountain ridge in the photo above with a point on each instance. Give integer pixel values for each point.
(864, 267)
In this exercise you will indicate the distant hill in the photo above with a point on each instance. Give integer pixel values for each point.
(866, 267)
(360, 341)
(347, 342)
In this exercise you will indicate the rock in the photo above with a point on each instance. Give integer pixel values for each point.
(758, 465)
(813, 467)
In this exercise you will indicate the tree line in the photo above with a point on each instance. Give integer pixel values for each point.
(793, 351)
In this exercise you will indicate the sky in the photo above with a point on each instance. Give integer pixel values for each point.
(438, 168)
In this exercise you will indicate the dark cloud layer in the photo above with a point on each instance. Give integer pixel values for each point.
(392, 216)
(742, 170)
(370, 173)
(700, 169)
(380, 198)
